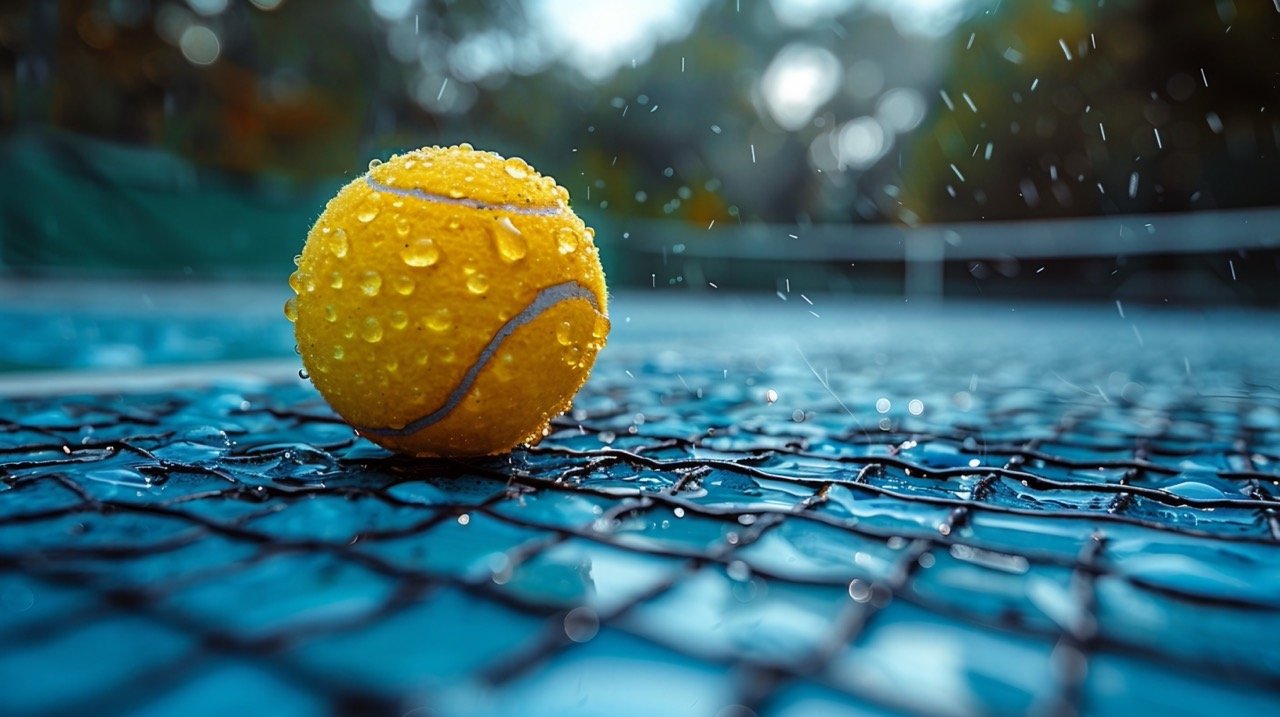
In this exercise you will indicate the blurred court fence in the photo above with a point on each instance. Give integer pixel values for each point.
(844, 144)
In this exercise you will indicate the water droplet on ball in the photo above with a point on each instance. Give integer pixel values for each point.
(564, 333)
(339, 245)
(367, 214)
(421, 252)
(371, 331)
(399, 319)
(291, 309)
(402, 226)
(335, 280)
(516, 168)
(511, 244)
(478, 284)
(375, 163)
(567, 239)
(330, 313)
(371, 283)
(403, 284)
(339, 353)
(505, 367)
(440, 320)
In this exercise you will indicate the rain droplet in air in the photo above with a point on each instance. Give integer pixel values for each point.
(421, 252)
(771, 397)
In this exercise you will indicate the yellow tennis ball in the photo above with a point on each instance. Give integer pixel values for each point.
(449, 302)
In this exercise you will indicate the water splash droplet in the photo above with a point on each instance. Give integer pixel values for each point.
(371, 331)
(421, 252)
(371, 283)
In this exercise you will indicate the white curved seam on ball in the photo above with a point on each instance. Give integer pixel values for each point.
(545, 300)
(424, 195)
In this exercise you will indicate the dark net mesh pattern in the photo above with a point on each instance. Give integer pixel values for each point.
(943, 516)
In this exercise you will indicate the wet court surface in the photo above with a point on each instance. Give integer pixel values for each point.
(756, 507)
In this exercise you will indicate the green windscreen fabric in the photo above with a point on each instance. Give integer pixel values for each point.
(74, 204)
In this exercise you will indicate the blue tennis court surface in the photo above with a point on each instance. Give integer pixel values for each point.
(755, 508)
